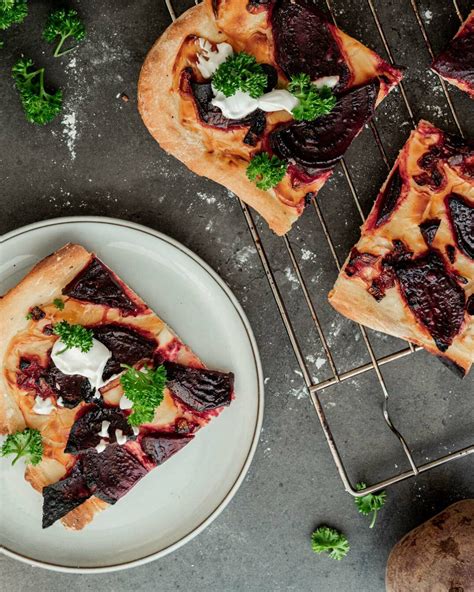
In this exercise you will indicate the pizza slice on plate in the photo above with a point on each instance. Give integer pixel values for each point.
(112, 391)
(263, 97)
(412, 272)
(456, 63)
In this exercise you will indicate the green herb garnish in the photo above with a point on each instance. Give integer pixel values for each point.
(313, 101)
(39, 106)
(27, 443)
(29, 316)
(12, 12)
(74, 336)
(266, 171)
(63, 24)
(370, 503)
(145, 388)
(58, 303)
(240, 71)
(331, 541)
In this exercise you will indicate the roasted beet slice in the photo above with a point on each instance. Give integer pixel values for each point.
(112, 473)
(470, 305)
(320, 144)
(159, 446)
(84, 433)
(433, 295)
(389, 200)
(457, 61)
(97, 284)
(72, 389)
(358, 262)
(304, 42)
(461, 215)
(65, 495)
(127, 345)
(199, 388)
(428, 229)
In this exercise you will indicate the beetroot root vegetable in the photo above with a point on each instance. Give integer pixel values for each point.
(438, 556)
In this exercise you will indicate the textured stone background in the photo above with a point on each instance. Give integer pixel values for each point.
(98, 159)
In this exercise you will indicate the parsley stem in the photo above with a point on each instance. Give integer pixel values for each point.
(373, 519)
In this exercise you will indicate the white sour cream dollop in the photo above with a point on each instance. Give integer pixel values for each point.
(90, 364)
(210, 59)
(241, 104)
(43, 406)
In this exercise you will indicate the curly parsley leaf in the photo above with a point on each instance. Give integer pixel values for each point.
(74, 336)
(331, 541)
(370, 503)
(58, 303)
(313, 101)
(145, 388)
(39, 106)
(63, 24)
(26, 444)
(240, 71)
(12, 12)
(29, 316)
(266, 171)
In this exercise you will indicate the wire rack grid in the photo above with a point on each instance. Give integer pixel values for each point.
(376, 364)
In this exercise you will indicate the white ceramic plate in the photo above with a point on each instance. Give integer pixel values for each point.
(178, 500)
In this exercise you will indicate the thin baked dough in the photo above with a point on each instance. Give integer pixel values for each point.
(219, 154)
(354, 293)
(20, 336)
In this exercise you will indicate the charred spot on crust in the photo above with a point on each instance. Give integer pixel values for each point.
(65, 495)
(127, 345)
(84, 433)
(159, 446)
(388, 201)
(432, 294)
(456, 62)
(428, 229)
(112, 473)
(98, 285)
(71, 388)
(199, 388)
(318, 145)
(461, 217)
(304, 42)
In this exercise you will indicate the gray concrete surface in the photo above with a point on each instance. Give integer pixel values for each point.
(99, 159)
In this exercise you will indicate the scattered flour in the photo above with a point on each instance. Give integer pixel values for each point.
(307, 255)
(320, 362)
(70, 132)
(291, 277)
(209, 199)
(243, 255)
(428, 16)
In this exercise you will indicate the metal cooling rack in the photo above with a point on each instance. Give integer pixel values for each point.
(375, 363)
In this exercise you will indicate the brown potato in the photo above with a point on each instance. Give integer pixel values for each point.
(438, 556)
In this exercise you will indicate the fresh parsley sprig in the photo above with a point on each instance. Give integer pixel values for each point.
(59, 303)
(12, 12)
(63, 24)
(39, 106)
(266, 171)
(313, 101)
(74, 336)
(26, 444)
(331, 541)
(370, 503)
(145, 388)
(240, 71)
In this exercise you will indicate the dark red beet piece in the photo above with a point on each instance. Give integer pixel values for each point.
(36, 313)
(198, 388)
(358, 261)
(72, 389)
(389, 200)
(127, 345)
(428, 229)
(305, 44)
(457, 61)
(433, 295)
(97, 284)
(84, 433)
(112, 473)
(159, 446)
(320, 144)
(461, 216)
(65, 495)
(470, 305)
(31, 377)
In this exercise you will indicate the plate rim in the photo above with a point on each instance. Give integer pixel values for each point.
(260, 383)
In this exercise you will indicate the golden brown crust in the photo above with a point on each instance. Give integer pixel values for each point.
(217, 154)
(350, 295)
(20, 337)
